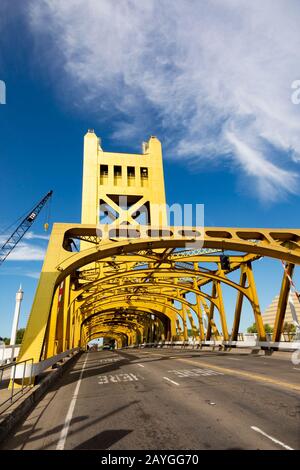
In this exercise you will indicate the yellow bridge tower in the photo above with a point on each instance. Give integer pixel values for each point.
(121, 184)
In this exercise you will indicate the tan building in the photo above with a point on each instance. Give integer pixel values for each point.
(270, 312)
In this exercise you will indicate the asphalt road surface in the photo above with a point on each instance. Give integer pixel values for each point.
(168, 399)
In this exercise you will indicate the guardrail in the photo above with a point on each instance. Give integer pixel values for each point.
(24, 372)
(37, 368)
(250, 344)
(12, 376)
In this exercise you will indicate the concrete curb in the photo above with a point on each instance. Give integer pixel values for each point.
(33, 397)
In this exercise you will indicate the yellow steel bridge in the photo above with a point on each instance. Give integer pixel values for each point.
(136, 279)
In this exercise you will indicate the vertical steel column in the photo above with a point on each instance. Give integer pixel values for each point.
(49, 350)
(66, 314)
(192, 323)
(255, 303)
(222, 311)
(238, 306)
(200, 318)
(211, 312)
(198, 308)
(214, 329)
(282, 302)
(185, 331)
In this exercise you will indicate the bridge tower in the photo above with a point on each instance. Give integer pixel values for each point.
(123, 188)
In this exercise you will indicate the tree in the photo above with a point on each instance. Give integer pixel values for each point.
(288, 327)
(253, 328)
(190, 332)
(5, 340)
(268, 328)
(20, 334)
(19, 337)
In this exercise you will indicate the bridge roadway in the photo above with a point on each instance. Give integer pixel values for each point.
(168, 399)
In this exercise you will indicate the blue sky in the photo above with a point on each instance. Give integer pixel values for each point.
(212, 82)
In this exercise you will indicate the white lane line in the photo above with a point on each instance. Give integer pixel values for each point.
(65, 429)
(141, 365)
(233, 358)
(296, 368)
(271, 438)
(169, 380)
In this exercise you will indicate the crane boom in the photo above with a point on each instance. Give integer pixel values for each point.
(22, 228)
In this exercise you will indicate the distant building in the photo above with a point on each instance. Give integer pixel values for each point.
(269, 314)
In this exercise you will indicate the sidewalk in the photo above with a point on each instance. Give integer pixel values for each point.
(12, 412)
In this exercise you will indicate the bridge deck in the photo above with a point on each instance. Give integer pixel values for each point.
(162, 399)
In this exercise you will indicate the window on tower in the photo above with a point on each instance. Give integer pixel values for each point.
(103, 174)
(130, 175)
(144, 176)
(117, 175)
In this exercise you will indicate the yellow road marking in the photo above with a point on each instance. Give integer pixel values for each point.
(243, 374)
(240, 373)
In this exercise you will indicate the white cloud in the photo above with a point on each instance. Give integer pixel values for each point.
(265, 173)
(32, 236)
(32, 274)
(216, 74)
(8, 270)
(27, 252)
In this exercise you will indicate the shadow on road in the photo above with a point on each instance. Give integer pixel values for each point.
(103, 440)
(34, 434)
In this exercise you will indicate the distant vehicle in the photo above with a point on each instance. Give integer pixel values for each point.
(106, 346)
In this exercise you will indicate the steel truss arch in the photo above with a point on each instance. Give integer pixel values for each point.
(61, 266)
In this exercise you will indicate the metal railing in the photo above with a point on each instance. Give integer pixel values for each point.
(255, 344)
(25, 384)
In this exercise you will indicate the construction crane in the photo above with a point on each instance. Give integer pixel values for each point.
(23, 227)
